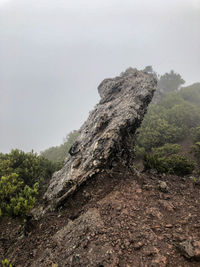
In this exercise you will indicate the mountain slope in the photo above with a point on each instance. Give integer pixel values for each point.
(118, 220)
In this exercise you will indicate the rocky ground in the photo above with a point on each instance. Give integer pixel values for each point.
(121, 219)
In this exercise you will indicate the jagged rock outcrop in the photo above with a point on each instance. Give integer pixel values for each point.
(107, 137)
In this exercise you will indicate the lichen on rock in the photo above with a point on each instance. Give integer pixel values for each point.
(107, 137)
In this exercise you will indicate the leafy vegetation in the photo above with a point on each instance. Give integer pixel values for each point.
(167, 150)
(156, 130)
(20, 176)
(175, 164)
(195, 132)
(196, 147)
(6, 263)
(170, 120)
(170, 82)
(196, 151)
(173, 116)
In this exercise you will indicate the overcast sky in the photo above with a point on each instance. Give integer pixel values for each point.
(54, 53)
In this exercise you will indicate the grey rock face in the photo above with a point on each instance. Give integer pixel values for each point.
(107, 137)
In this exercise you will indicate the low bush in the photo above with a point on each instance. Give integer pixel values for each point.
(139, 152)
(175, 164)
(30, 167)
(195, 133)
(20, 176)
(157, 132)
(6, 263)
(167, 150)
(15, 198)
(196, 151)
(170, 120)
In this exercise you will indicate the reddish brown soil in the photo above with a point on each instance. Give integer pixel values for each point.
(118, 220)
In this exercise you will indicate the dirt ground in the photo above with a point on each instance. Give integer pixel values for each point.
(121, 219)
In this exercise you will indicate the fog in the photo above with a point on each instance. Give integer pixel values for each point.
(54, 53)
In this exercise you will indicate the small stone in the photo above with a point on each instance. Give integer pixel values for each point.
(186, 249)
(190, 249)
(119, 208)
(127, 243)
(163, 187)
(156, 226)
(95, 162)
(139, 190)
(168, 225)
(138, 245)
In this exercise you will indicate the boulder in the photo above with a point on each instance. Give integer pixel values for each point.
(107, 137)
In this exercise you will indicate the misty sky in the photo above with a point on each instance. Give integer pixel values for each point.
(54, 53)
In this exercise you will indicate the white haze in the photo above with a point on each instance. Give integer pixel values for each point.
(54, 53)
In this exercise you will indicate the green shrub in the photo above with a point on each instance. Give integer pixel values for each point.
(196, 180)
(20, 176)
(195, 133)
(171, 100)
(185, 116)
(167, 150)
(139, 152)
(171, 119)
(175, 164)
(157, 132)
(196, 151)
(15, 198)
(30, 167)
(6, 263)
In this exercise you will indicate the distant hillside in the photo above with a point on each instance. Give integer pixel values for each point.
(59, 153)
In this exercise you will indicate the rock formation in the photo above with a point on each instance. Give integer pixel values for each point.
(107, 137)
